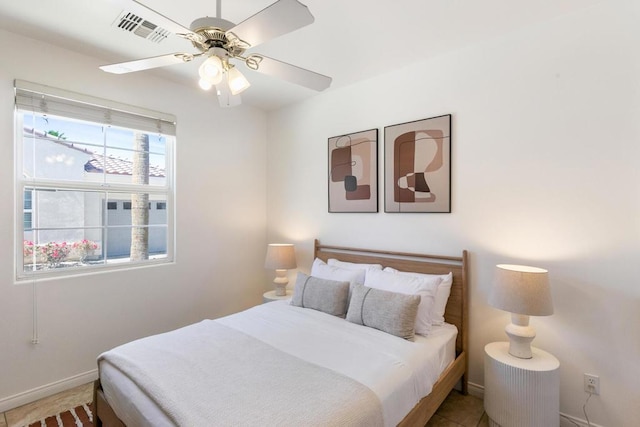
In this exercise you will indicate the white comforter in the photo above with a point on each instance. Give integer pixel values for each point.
(398, 372)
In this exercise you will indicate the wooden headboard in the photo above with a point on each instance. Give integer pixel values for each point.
(457, 310)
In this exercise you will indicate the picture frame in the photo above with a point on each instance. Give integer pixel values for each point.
(417, 166)
(353, 172)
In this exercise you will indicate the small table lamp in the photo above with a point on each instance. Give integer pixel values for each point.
(280, 257)
(523, 291)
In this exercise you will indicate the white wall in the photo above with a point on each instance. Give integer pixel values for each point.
(220, 229)
(546, 124)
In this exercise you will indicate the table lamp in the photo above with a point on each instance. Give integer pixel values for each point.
(280, 257)
(523, 291)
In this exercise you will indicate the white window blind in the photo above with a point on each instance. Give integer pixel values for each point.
(48, 100)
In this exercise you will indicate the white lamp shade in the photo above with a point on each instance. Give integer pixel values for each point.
(211, 70)
(522, 290)
(280, 256)
(204, 84)
(237, 82)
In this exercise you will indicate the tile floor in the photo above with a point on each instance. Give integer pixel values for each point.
(456, 411)
(460, 411)
(32, 412)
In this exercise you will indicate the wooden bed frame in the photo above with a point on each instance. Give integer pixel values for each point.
(456, 314)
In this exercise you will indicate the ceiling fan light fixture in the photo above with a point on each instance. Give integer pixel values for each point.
(204, 84)
(211, 70)
(218, 41)
(237, 82)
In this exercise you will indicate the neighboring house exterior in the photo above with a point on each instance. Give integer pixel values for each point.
(63, 160)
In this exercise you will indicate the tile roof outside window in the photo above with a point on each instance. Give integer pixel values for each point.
(116, 166)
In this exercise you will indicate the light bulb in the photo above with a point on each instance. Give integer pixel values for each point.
(211, 70)
(237, 82)
(204, 84)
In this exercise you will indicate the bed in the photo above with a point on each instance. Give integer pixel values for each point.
(286, 342)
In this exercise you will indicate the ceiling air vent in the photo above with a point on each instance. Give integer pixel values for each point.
(134, 24)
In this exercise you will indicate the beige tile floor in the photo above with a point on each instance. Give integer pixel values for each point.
(32, 412)
(460, 411)
(456, 411)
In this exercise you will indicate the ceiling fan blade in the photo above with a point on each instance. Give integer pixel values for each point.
(147, 63)
(157, 18)
(293, 74)
(275, 20)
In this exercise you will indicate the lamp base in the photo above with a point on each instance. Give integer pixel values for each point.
(281, 282)
(520, 336)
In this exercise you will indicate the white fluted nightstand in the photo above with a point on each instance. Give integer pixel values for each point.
(521, 392)
(271, 296)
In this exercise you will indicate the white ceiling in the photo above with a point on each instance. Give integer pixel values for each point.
(350, 40)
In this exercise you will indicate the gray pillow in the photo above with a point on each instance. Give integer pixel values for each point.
(329, 296)
(390, 312)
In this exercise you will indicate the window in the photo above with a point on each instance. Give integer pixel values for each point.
(78, 159)
(28, 214)
(28, 220)
(161, 206)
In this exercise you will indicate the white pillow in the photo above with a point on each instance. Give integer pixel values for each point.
(425, 287)
(353, 265)
(442, 294)
(329, 272)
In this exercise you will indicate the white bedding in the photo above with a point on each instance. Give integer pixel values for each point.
(399, 372)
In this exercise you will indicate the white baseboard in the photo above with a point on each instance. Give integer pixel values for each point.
(579, 421)
(475, 390)
(47, 390)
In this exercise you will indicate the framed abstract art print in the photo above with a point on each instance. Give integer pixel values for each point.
(417, 166)
(353, 172)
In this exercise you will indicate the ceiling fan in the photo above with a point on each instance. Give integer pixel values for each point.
(221, 41)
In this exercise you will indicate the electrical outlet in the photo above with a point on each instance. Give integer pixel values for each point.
(592, 384)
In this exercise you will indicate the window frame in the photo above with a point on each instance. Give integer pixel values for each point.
(165, 126)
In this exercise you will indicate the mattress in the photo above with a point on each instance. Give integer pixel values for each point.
(399, 372)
